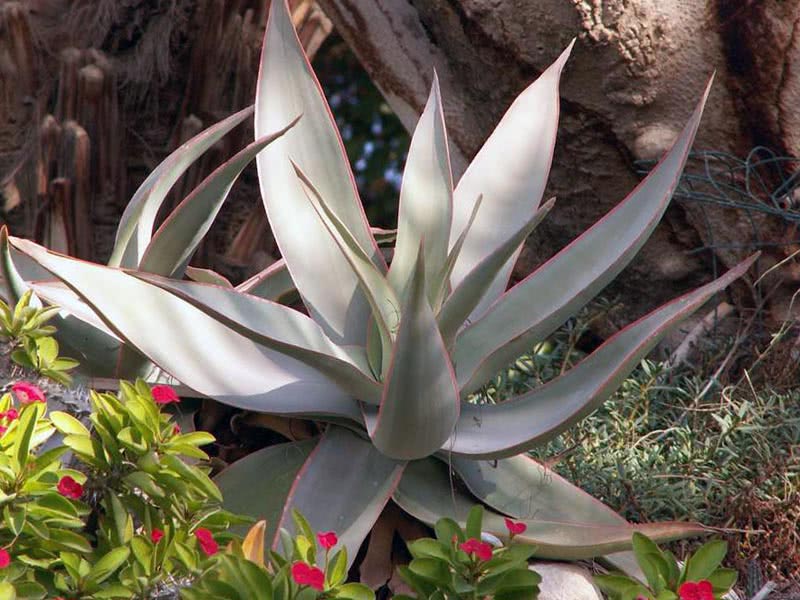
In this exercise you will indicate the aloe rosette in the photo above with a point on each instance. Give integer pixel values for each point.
(388, 356)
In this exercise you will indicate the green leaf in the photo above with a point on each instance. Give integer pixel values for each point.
(342, 487)
(519, 579)
(174, 243)
(67, 424)
(518, 424)
(723, 580)
(337, 569)
(21, 447)
(354, 591)
(432, 570)
(474, 521)
(705, 560)
(430, 548)
(420, 403)
(287, 87)
(107, 565)
(251, 376)
(539, 304)
(426, 200)
(7, 591)
(510, 170)
(136, 226)
(193, 475)
(446, 529)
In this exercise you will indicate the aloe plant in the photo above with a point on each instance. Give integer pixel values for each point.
(389, 356)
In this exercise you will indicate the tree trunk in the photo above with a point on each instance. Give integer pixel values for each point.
(94, 93)
(636, 72)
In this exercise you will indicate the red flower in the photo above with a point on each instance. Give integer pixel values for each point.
(70, 488)
(478, 548)
(163, 394)
(176, 429)
(305, 574)
(700, 590)
(5, 558)
(27, 392)
(327, 539)
(206, 540)
(156, 535)
(11, 414)
(515, 527)
(3, 430)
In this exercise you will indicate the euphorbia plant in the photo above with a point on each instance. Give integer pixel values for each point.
(458, 564)
(309, 566)
(124, 516)
(390, 355)
(700, 577)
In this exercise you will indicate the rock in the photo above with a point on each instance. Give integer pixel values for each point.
(564, 581)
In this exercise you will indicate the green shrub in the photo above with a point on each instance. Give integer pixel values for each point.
(113, 512)
(701, 576)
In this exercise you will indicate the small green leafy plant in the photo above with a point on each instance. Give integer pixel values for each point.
(123, 515)
(700, 578)
(297, 574)
(32, 344)
(459, 564)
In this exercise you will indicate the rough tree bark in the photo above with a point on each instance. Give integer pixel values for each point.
(636, 72)
(94, 93)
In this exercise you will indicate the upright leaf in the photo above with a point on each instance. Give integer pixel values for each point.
(536, 306)
(258, 484)
(174, 243)
(342, 487)
(136, 226)
(380, 295)
(420, 403)
(426, 199)
(287, 87)
(466, 296)
(510, 170)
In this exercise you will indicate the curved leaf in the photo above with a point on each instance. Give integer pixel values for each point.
(420, 403)
(192, 346)
(279, 328)
(426, 492)
(258, 484)
(136, 226)
(342, 487)
(373, 283)
(504, 429)
(466, 296)
(174, 243)
(207, 276)
(287, 87)
(426, 199)
(536, 306)
(80, 333)
(522, 488)
(271, 283)
(510, 171)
